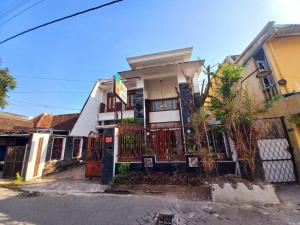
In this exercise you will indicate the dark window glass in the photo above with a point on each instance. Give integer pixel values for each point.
(163, 105)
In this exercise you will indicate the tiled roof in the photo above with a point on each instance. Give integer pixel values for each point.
(14, 123)
(57, 122)
(17, 123)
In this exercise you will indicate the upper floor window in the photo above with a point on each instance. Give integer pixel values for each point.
(262, 66)
(163, 104)
(270, 88)
(111, 100)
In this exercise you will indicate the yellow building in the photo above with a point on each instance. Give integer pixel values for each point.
(272, 67)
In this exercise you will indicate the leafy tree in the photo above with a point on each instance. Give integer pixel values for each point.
(7, 83)
(238, 113)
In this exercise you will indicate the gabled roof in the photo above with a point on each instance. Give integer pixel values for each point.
(14, 123)
(17, 123)
(56, 122)
(271, 30)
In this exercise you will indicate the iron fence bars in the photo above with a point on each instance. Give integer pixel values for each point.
(131, 143)
(166, 143)
(275, 151)
(135, 141)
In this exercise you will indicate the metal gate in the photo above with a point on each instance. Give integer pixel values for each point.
(13, 162)
(275, 151)
(93, 166)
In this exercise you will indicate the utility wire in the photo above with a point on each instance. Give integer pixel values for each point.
(60, 19)
(17, 6)
(21, 12)
(49, 92)
(13, 4)
(54, 78)
(43, 105)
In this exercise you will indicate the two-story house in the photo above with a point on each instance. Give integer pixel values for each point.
(271, 68)
(160, 97)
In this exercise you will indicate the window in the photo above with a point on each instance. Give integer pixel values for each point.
(270, 89)
(58, 147)
(111, 99)
(262, 66)
(130, 100)
(77, 147)
(163, 105)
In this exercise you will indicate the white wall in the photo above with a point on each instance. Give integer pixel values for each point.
(164, 116)
(88, 119)
(153, 88)
(33, 154)
(111, 115)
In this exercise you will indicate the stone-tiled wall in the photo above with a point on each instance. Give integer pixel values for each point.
(138, 100)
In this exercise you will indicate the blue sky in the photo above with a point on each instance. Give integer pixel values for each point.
(95, 45)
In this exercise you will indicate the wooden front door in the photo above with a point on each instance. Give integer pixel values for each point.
(93, 166)
(38, 157)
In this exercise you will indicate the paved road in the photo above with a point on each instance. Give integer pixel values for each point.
(105, 209)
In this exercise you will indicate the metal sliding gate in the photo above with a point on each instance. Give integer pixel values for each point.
(275, 151)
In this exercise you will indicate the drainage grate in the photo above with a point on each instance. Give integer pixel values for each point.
(164, 219)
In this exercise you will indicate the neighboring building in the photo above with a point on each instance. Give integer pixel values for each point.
(34, 147)
(159, 96)
(272, 68)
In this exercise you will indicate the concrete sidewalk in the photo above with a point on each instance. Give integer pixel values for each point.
(289, 195)
(66, 187)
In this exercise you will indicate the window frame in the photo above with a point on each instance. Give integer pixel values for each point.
(110, 99)
(80, 148)
(152, 101)
(62, 151)
(264, 64)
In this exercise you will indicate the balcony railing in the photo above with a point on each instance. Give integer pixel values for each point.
(271, 92)
(103, 108)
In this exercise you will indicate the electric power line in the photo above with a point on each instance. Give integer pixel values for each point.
(60, 19)
(54, 78)
(43, 105)
(21, 12)
(9, 11)
(49, 92)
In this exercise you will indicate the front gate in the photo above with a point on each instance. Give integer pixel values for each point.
(93, 166)
(166, 143)
(13, 162)
(275, 151)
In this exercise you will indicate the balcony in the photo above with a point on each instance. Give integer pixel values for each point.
(106, 114)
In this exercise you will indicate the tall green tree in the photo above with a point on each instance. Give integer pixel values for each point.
(7, 83)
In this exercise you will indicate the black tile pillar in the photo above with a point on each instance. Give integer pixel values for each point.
(108, 157)
(138, 101)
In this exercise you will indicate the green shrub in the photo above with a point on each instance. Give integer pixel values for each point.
(19, 178)
(124, 168)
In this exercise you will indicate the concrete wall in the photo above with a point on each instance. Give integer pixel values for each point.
(164, 116)
(67, 160)
(88, 118)
(33, 155)
(154, 91)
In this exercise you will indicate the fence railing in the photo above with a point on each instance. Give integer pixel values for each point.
(165, 143)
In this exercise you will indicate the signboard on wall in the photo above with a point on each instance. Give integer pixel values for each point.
(120, 89)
